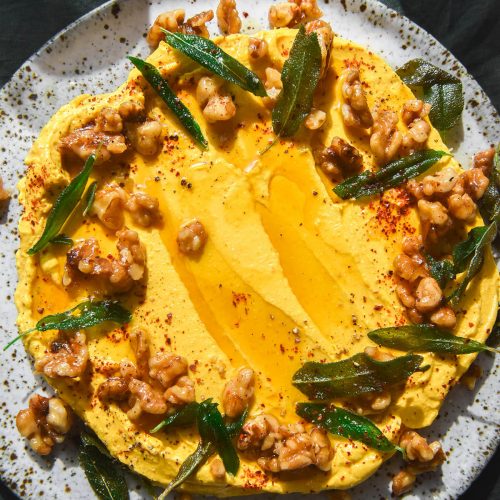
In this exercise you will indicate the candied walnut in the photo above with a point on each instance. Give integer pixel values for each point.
(475, 183)
(109, 120)
(403, 482)
(433, 212)
(196, 25)
(182, 392)
(273, 85)
(258, 432)
(373, 403)
(191, 238)
(414, 109)
(4, 194)
(113, 389)
(462, 207)
(217, 469)
(377, 354)
(219, 108)
(171, 21)
(315, 119)
(67, 357)
(483, 160)
(412, 245)
(471, 376)
(404, 291)
(131, 110)
(167, 367)
(145, 399)
(147, 137)
(325, 36)
(415, 189)
(143, 208)
(44, 423)
(109, 204)
(355, 111)
(444, 317)
(440, 183)
(87, 140)
(140, 346)
(339, 159)
(409, 268)
(414, 112)
(228, 19)
(257, 48)
(386, 139)
(418, 450)
(238, 392)
(284, 14)
(207, 87)
(132, 259)
(429, 295)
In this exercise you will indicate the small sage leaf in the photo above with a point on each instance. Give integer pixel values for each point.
(62, 239)
(211, 56)
(163, 89)
(441, 90)
(443, 271)
(300, 77)
(354, 376)
(89, 198)
(346, 424)
(184, 416)
(425, 338)
(64, 206)
(105, 478)
(393, 174)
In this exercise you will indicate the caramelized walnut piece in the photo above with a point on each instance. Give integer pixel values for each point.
(483, 160)
(441, 183)
(315, 119)
(289, 14)
(238, 392)
(143, 208)
(167, 367)
(217, 469)
(339, 159)
(257, 48)
(171, 21)
(444, 317)
(385, 139)
(355, 111)
(191, 237)
(67, 357)
(273, 85)
(113, 389)
(147, 137)
(196, 25)
(109, 204)
(181, 393)
(228, 19)
(413, 116)
(403, 482)
(109, 121)
(4, 194)
(325, 36)
(145, 399)
(131, 110)
(44, 423)
(258, 433)
(217, 105)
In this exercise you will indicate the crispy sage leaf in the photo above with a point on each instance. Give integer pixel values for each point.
(162, 88)
(489, 204)
(300, 77)
(393, 174)
(443, 271)
(441, 90)
(426, 338)
(62, 239)
(90, 439)
(89, 198)
(202, 453)
(184, 416)
(64, 206)
(107, 480)
(346, 424)
(212, 429)
(84, 315)
(211, 56)
(354, 376)
(469, 256)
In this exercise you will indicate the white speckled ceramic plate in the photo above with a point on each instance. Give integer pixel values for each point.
(89, 56)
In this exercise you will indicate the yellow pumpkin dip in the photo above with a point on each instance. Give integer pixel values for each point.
(238, 267)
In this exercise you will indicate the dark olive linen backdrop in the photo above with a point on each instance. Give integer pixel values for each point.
(470, 29)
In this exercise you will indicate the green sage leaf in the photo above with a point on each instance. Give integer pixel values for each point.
(300, 77)
(354, 376)
(441, 90)
(62, 239)
(426, 338)
(184, 416)
(89, 198)
(64, 206)
(212, 429)
(489, 204)
(469, 257)
(393, 174)
(107, 480)
(346, 424)
(443, 271)
(211, 56)
(163, 89)
(83, 315)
